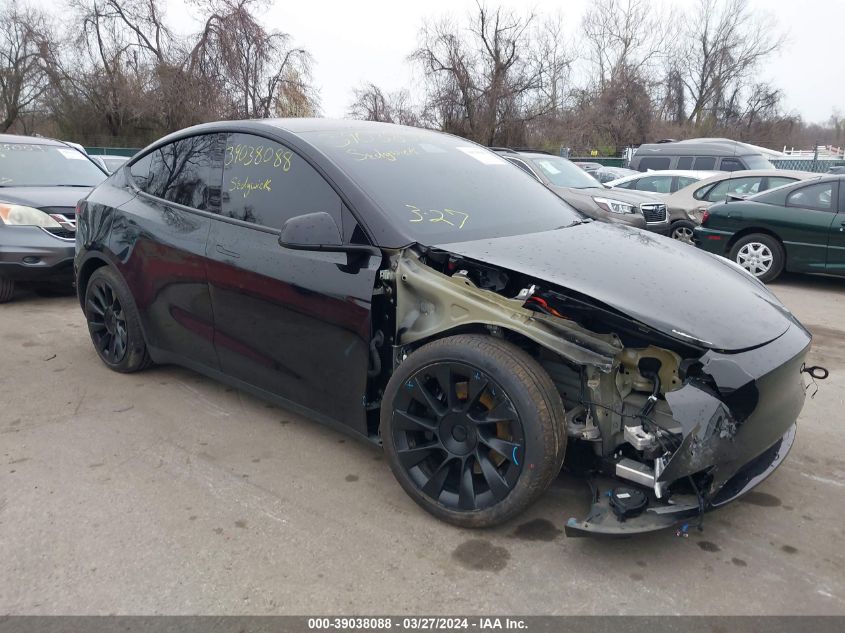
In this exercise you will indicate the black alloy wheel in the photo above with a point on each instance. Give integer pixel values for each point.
(458, 436)
(106, 321)
(113, 322)
(473, 429)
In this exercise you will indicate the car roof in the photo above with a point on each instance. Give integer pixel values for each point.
(701, 175)
(531, 154)
(30, 140)
(709, 147)
(727, 175)
(743, 173)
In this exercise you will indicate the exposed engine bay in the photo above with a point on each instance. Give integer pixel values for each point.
(663, 426)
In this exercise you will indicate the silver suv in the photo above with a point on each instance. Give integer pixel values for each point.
(582, 191)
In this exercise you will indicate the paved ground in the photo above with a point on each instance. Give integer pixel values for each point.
(164, 492)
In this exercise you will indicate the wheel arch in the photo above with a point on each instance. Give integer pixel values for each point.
(751, 231)
(92, 262)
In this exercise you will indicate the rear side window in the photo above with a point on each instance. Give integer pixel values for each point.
(818, 196)
(653, 162)
(737, 186)
(685, 181)
(631, 184)
(657, 184)
(705, 163)
(185, 172)
(778, 181)
(266, 183)
(685, 162)
(731, 164)
(140, 171)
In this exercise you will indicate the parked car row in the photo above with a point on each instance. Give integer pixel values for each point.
(586, 194)
(483, 315)
(454, 305)
(799, 227)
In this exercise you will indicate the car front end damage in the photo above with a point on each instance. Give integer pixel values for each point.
(662, 425)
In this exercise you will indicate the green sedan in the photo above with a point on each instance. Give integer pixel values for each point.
(798, 227)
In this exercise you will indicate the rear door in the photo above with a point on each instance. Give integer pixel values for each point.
(292, 323)
(836, 241)
(807, 224)
(159, 239)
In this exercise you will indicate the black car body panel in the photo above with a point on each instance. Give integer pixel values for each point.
(714, 304)
(321, 329)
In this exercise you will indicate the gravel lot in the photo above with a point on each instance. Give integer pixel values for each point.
(165, 492)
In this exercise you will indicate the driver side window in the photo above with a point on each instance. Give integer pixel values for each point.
(267, 183)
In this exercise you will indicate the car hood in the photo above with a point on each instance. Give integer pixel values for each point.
(39, 197)
(676, 289)
(631, 197)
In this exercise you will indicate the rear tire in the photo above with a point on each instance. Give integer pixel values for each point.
(760, 254)
(114, 323)
(7, 289)
(682, 230)
(473, 429)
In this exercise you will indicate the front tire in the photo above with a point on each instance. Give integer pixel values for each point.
(114, 323)
(760, 254)
(473, 429)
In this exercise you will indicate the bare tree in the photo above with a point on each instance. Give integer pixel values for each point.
(724, 42)
(371, 103)
(624, 37)
(485, 80)
(23, 77)
(253, 65)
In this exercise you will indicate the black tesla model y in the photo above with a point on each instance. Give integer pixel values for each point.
(417, 290)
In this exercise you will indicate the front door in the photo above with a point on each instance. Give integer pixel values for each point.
(293, 323)
(806, 226)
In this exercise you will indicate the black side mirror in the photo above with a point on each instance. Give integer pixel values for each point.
(311, 231)
(318, 232)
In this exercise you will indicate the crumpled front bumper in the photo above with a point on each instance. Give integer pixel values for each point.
(663, 514)
(737, 437)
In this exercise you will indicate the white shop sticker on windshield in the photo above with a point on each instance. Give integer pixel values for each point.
(71, 153)
(548, 167)
(482, 155)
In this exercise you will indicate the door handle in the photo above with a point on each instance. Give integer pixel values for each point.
(226, 251)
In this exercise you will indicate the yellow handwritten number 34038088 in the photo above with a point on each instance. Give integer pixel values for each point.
(255, 155)
(449, 216)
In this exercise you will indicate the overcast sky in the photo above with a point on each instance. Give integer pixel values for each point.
(368, 40)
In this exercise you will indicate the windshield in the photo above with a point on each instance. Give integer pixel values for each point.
(563, 173)
(756, 161)
(34, 165)
(439, 188)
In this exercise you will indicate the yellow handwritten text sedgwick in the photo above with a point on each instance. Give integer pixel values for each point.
(246, 187)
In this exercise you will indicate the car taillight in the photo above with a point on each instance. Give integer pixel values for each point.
(704, 216)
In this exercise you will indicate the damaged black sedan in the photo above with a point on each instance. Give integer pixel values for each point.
(417, 290)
